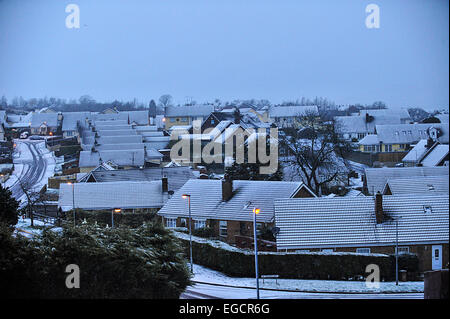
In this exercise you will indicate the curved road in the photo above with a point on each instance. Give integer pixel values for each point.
(33, 167)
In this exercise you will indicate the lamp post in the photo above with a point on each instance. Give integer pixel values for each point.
(256, 212)
(396, 252)
(115, 210)
(190, 230)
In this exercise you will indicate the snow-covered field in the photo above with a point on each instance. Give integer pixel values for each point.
(208, 276)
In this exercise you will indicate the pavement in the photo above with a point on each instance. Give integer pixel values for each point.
(208, 291)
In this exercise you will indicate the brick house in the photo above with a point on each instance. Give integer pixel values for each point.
(367, 224)
(227, 205)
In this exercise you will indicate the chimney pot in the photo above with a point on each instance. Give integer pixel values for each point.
(227, 188)
(165, 184)
(379, 207)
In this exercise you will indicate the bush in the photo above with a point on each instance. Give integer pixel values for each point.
(146, 262)
(8, 207)
(204, 232)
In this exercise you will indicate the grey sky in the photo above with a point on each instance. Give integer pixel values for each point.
(234, 49)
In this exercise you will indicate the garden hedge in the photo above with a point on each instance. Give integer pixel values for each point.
(297, 266)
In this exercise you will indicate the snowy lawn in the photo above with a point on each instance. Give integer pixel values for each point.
(23, 227)
(208, 276)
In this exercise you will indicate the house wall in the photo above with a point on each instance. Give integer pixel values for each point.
(178, 120)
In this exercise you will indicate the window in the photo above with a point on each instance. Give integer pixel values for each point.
(172, 120)
(404, 132)
(388, 148)
(223, 228)
(171, 222)
(199, 224)
(212, 121)
(403, 250)
(363, 250)
(183, 222)
(184, 119)
(410, 132)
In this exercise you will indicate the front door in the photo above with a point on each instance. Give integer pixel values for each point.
(436, 255)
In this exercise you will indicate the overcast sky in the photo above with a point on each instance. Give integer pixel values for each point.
(234, 49)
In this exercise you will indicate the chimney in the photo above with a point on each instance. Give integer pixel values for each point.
(379, 207)
(227, 188)
(165, 184)
(430, 143)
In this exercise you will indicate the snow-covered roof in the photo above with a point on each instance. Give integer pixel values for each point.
(371, 139)
(436, 156)
(424, 185)
(116, 132)
(110, 195)
(49, 119)
(207, 203)
(292, 111)
(176, 176)
(408, 133)
(444, 118)
(191, 111)
(351, 222)
(118, 157)
(376, 178)
(416, 153)
(70, 119)
(122, 139)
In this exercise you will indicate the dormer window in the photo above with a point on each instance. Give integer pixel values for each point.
(430, 187)
(427, 209)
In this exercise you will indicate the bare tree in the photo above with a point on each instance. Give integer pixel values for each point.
(316, 153)
(33, 196)
(165, 100)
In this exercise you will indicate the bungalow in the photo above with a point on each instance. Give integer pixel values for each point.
(367, 225)
(375, 179)
(226, 205)
(120, 158)
(71, 121)
(45, 123)
(429, 185)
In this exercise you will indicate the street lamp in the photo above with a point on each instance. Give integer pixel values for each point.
(73, 200)
(256, 211)
(190, 231)
(115, 210)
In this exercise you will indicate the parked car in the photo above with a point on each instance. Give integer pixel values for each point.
(23, 135)
(36, 137)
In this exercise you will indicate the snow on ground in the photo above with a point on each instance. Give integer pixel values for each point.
(23, 227)
(208, 276)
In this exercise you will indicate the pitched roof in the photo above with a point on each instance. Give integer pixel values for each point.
(70, 119)
(376, 177)
(370, 139)
(435, 156)
(123, 194)
(176, 176)
(50, 119)
(193, 110)
(350, 221)
(416, 153)
(119, 139)
(118, 157)
(112, 147)
(207, 203)
(119, 132)
(138, 117)
(422, 185)
(292, 111)
(407, 133)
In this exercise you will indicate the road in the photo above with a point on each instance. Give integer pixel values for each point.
(34, 166)
(206, 291)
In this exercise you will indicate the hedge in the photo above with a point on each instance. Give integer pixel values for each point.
(103, 218)
(297, 266)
